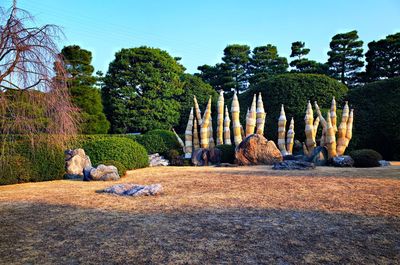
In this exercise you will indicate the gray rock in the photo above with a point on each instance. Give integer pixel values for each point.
(342, 161)
(384, 163)
(319, 156)
(155, 160)
(75, 161)
(135, 190)
(200, 157)
(215, 156)
(293, 165)
(102, 172)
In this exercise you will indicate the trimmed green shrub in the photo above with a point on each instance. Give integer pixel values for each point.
(366, 158)
(293, 90)
(119, 165)
(131, 154)
(16, 169)
(174, 157)
(228, 153)
(169, 139)
(153, 143)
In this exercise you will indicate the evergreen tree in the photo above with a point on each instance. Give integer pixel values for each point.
(236, 57)
(218, 76)
(345, 57)
(81, 82)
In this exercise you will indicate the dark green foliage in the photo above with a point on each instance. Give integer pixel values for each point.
(118, 164)
(169, 139)
(140, 90)
(236, 57)
(153, 143)
(377, 117)
(366, 158)
(345, 57)
(383, 58)
(16, 169)
(218, 76)
(302, 64)
(193, 86)
(228, 153)
(292, 90)
(83, 93)
(175, 158)
(131, 154)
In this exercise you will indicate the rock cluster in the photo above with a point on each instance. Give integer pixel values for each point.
(135, 190)
(342, 161)
(75, 161)
(102, 172)
(157, 160)
(255, 149)
(293, 165)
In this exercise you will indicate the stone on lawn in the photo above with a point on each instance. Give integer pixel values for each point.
(129, 189)
(102, 172)
(319, 156)
(342, 161)
(75, 161)
(156, 160)
(384, 163)
(255, 149)
(293, 165)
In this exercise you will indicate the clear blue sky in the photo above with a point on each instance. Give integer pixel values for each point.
(198, 31)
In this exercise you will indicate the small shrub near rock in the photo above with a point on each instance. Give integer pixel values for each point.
(169, 139)
(227, 153)
(366, 158)
(175, 158)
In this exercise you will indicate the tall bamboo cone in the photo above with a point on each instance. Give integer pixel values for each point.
(260, 115)
(242, 131)
(235, 110)
(309, 128)
(211, 135)
(220, 118)
(315, 127)
(251, 118)
(290, 137)
(282, 131)
(349, 131)
(196, 142)
(204, 138)
(189, 134)
(324, 124)
(341, 145)
(181, 143)
(197, 110)
(330, 138)
(227, 130)
(333, 114)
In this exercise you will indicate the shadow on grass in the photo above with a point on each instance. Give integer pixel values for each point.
(43, 233)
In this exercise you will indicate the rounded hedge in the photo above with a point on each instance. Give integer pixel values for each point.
(366, 158)
(126, 151)
(228, 153)
(169, 139)
(153, 143)
(293, 90)
(119, 165)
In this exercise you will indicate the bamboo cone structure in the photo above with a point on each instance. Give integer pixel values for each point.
(251, 117)
(197, 111)
(342, 130)
(211, 135)
(324, 124)
(260, 115)
(309, 128)
(349, 132)
(181, 143)
(235, 110)
(227, 130)
(290, 138)
(204, 138)
(196, 142)
(282, 131)
(333, 115)
(189, 135)
(220, 118)
(330, 138)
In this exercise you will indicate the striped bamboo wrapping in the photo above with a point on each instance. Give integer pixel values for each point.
(227, 130)
(260, 115)
(196, 141)
(333, 115)
(330, 137)
(242, 133)
(204, 138)
(235, 111)
(349, 132)
(181, 143)
(315, 127)
(341, 144)
(220, 118)
(197, 110)
(282, 131)
(251, 118)
(189, 134)
(211, 135)
(290, 138)
(309, 128)
(324, 124)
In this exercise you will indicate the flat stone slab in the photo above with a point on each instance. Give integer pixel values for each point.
(129, 189)
(293, 165)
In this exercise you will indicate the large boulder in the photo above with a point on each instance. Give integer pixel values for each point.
(204, 157)
(75, 161)
(102, 172)
(255, 149)
(293, 165)
(135, 190)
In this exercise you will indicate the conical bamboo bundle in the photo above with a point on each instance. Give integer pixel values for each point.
(330, 138)
(333, 115)
(290, 137)
(211, 135)
(196, 142)
(235, 110)
(260, 115)
(309, 128)
(251, 118)
(315, 127)
(197, 110)
(242, 131)
(349, 134)
(341, 144)
(204, 128)
(181, 143)
(227, 130)
(324, 124)
(220, 118)
(189, 134)
(282, 131)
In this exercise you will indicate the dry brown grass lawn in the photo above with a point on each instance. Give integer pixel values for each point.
(208, 215)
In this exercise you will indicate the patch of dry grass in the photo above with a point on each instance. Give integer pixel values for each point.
(208, 215)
